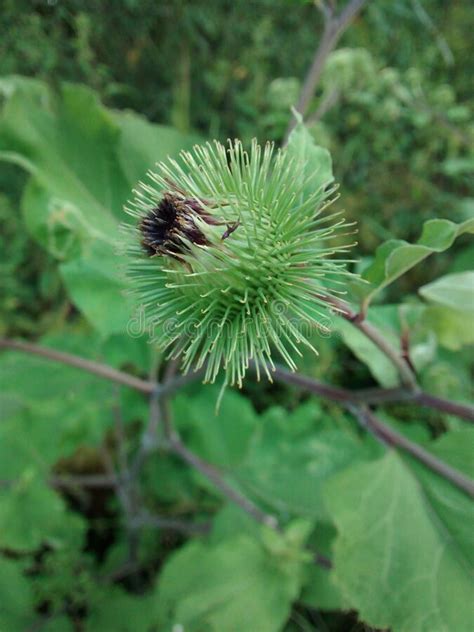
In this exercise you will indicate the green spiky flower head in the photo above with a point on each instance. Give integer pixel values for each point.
(230, 254)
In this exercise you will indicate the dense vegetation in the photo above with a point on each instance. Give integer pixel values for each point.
(340, 502)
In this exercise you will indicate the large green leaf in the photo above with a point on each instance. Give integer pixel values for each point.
(48, 409)
(69, 143)
(395, 561)
(395, 257)
(453, 508)
(221, 437)
(143, 144)
(92, 266)
(97, 288)
(237, 584)
(84, 161)
(50, 412)
(279, 458)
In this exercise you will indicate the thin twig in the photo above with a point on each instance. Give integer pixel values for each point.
(407, 376)
(440, 40)
(372, 333)
(173, 524)
(128, 497)
(326, 104)
(149, 436)
(334, 27)
(65, 481)
(149, 433)
(211, 473)
(120, 437)
(180, 381)
(165, 410)
(102, 370)
(339, 394)
(388, 436)
(333, 393)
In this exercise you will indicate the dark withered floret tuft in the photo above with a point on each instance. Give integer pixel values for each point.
(168, 228)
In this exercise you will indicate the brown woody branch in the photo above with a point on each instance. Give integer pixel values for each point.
(217, 479)
(344, 396)
(390, 437)
(333, 393)
(373, 395)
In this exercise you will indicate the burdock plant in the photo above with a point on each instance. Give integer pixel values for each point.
(232, 253)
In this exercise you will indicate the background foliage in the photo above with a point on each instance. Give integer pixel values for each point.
(93, 94)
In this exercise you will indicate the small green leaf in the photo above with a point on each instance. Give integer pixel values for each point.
(72, 156)
(449, 326)
(316, 160)
(452, 290)
(114, 609)
(395, 257)
(16, 602)
(32, 514)
(235, 585)
(319, 590)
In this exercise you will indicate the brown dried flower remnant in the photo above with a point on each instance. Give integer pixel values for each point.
(167, 227)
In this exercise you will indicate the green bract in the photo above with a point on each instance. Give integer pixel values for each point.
(229, 253)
